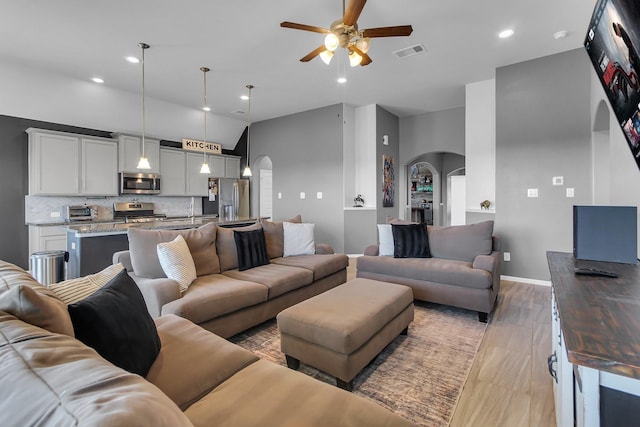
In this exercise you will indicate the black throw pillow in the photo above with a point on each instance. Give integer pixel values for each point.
(115, 322)
(251, 248)
(410, 241)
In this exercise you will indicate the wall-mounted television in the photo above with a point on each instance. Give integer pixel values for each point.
(613, 44)
(605, 233)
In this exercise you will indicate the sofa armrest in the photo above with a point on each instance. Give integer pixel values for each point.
(323, 249)
(157, 292)
(123, 257)
(484, 262)
(373, 250)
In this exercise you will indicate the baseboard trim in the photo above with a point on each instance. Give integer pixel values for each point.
(526, 280)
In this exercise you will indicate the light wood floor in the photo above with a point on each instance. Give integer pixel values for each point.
(509, 384)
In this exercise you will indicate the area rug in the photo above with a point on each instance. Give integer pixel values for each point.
(418, 376)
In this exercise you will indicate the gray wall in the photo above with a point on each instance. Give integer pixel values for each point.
(542, 131)
(360, 230)
(306, 151)
(439, 131)
(387, 124)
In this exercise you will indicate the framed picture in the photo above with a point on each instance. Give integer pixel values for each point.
(388, 181)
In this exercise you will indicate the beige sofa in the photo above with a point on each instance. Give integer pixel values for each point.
(223, 299)
(463, 271)
(49, 378)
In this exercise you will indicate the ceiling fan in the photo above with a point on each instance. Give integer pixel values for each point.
(345, 33)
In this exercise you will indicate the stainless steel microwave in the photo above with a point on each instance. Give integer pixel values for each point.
(139, 183)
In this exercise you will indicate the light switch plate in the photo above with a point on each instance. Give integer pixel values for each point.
(279, 195)
(319, 195)
(302, 195)
(558, 180)
(570, 192)
(532, 192)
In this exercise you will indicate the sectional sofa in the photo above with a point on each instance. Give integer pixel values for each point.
(223, 299)
(462, 269)
(51, 378)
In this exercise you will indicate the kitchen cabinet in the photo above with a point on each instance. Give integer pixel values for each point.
(232, 167)
(218, 167)
(65, 164)
(129, 153)
(196, 181)
(173, 178)
(46, 238)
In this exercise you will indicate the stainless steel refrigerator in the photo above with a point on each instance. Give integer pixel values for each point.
(229, 198)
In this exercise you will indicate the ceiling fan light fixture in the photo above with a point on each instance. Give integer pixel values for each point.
(331, 42)
(363, 43)
(326, 56)
(354, 58)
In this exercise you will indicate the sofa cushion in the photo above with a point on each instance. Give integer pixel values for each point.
(251, 249)
(436, 270)
(193, 361)
(274, 235)
(298, 239)
(410, 241)
(301, 401)
(201, 242)
(215, 295)
(461, 242)
(279, 279)
(385, 240)
(115, 322)
(40, 310)
(321, 265)
(11, 275)
(176, 262)
(55, 380)
(73, 290)
(226, 246)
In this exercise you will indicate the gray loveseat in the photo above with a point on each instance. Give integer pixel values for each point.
(463, 271)
(50, 378)
(223, 299)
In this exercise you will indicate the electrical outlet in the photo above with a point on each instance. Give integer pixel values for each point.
(55, 214)
(279, 195)
(302, 195)
(507, 256)
(319, 195)
(570, 192)
(532, 192)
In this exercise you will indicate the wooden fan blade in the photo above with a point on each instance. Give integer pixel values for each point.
(353, 11)
(303, 27)
(366, 59)
(313, 54)
(397, 31)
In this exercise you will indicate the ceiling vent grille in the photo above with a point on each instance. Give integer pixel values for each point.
(410, 51)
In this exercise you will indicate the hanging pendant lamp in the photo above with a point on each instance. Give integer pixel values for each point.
(143, 163)
(205, 107)
(247, 169)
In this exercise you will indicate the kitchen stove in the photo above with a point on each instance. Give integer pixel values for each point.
(136, 212)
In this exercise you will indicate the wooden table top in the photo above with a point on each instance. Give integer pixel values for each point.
(599, 316)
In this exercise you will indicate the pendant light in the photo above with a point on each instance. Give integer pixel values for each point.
(143, 163)
(247, 170)
(205, 165)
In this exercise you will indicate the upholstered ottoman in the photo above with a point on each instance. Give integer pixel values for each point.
(340, 331)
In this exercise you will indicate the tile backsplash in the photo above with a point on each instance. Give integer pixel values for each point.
(38, 209)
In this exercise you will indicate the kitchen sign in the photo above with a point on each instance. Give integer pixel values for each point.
(195, 145)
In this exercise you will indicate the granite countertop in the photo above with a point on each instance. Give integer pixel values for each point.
(95, 229)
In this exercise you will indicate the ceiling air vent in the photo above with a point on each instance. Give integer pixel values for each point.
(409, 51)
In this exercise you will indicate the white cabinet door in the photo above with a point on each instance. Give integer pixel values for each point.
(172, 172)
(196, 181)
(129, 153)
(232, 167)
(217, 165)
(54, 166)
(99, 167)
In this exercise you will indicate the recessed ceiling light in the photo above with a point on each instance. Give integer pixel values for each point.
(244, 97)
(205, 108)
(97, 80)
(505, 34)
(560, 34)
(132, 59)
(342, 80)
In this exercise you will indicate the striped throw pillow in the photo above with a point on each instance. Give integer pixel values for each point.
(74, 290)
(177, 262)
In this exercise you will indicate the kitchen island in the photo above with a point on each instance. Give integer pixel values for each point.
(91, 245)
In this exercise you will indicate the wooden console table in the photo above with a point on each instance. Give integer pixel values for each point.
(597, 334)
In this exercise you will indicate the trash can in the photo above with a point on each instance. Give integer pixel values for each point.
(49, 267)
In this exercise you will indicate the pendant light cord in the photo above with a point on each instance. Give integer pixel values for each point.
(204, 109)
(143, 46)
(249, 124)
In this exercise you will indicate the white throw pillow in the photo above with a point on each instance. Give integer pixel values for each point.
(73, 290)
(298, 239)
(177, 262)
(385, 237)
